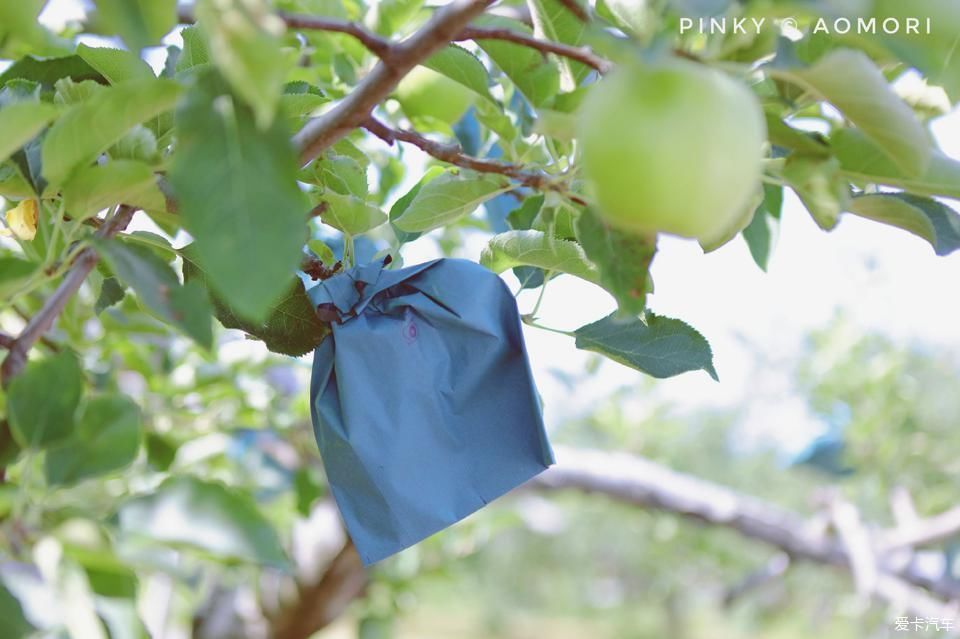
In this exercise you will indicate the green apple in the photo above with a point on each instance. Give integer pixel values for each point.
(425, 93)
(675, 148)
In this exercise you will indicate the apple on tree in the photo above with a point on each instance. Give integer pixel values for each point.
(675, 148)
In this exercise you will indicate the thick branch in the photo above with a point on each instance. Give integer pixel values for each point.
(349, 113)
(6, 341)
(40, 323)
(453, 154)
(320, 604)
(643, 483)
(580, 54)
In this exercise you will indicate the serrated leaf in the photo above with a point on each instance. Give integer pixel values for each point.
(20, 122)
(116, 65)
(42, 400)
(245, 45)
(350, 214)
(850, 81)
(658, 346)
(141, 23)
(186, 512)
(534, 75)
(864, 162)
(535, 248)
(292, 327)
(403, 203)
(238, 197)
(107, 438)
(934, 221)
(46, 71)
(462, 67)
(158, 288)
(623, 260)
(111, 292)
(762, 232)
(94, 188)
(447, 198)
(195, 50)
(91, 127)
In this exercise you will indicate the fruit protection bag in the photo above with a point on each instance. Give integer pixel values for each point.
(423, 404)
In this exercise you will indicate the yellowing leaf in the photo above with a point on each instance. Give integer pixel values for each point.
(22, 219)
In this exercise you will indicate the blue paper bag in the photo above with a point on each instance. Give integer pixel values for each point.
(422, 399)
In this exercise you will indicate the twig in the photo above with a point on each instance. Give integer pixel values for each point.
(856, 541)
(350, 112)
(580, 54)
(576, 9)
(453, 154)
(40, 323)
(376, 44)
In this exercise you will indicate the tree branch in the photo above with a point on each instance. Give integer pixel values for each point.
(321, 603)
(40, 323)
(382, 47)
(574, 7)
(922, 531)
(580, 54)
(6, 341)
(350, 112)
(453, 154)
(643, 483)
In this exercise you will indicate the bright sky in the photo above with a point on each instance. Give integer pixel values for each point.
(883, 279)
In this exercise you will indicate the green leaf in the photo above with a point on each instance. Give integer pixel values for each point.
(89, 128)
(535, 76)
(761, 234)
(292, 328)
(341, 173)
(553, 21)
(13, 623)
(46, 71)
(447, 198)
(850, 81)
(934, 221)
(141, 23)
(42, 400)
(322, 251)
(864, 162)
(20, 122)
(111, 292)
(623, 260)
(158, 288)
(535, 248)
(116, 65)
(94, 188)
(238, 196)
(659, 346)
(245, 45)
(350, 214)
(221, 522)
(463, 67)
(403, 203)
(195, 50)
(820, 185)
(9, 448)
(107, 438)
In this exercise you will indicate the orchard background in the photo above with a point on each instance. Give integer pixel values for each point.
(166, 170)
